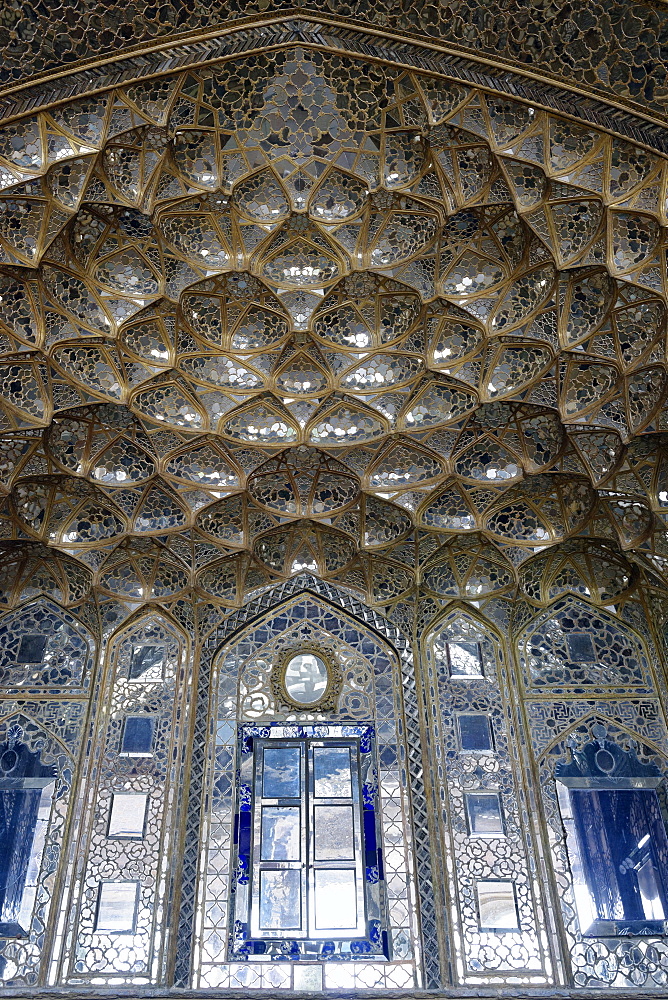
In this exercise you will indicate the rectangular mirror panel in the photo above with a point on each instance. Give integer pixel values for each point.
(497, 908)
(334, 837)
(281, 777)
(483, 811)
(335, 899)
(117, 907)
(127, 816)
(331, 772)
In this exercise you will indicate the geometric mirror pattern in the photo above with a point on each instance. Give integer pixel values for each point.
(302, 313)
(334, 419)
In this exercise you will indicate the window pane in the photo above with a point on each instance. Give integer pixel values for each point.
(334, 835)
(496, 906)
(117, 907)
(474, 732)
(621, 839)
(280, 777)
(137, 736)
(331, 769)
(484, 812)
(31, 649)
(335, 899)
(147, 663)
(126, 819)
(280, 900)
(280, 833)
(465, 659)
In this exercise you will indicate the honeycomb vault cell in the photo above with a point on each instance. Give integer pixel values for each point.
(302, 312)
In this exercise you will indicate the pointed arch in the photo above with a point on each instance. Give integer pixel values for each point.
(572, 644)
(652, 738)
(463, 626)
(337, 601)
(42, 645)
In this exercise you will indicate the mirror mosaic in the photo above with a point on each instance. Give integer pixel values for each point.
(333, 502)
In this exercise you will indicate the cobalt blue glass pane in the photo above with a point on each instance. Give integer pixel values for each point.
(365, 741)
(137, 735)
(370, 832)
(474, 732)
(244, 833)
(281, 777)
(624, 850)
(31, 649)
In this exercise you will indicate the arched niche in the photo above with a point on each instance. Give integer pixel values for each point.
(483, 825)
(373, 696)
(132, 801)
(146, 649)
(633, 739)
(572, 646)
(463, 645)
(43, 646)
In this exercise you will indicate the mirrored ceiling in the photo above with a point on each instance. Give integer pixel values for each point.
(302, 313)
